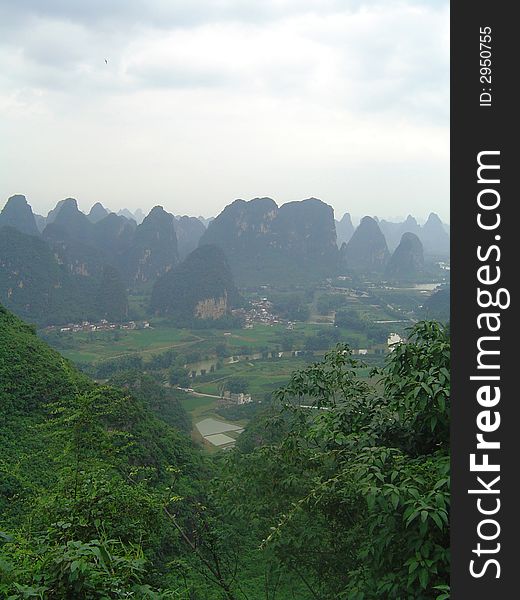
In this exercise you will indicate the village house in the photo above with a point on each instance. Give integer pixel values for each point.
(393, 339)
(228, 398)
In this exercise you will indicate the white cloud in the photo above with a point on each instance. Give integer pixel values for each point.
(202, 102)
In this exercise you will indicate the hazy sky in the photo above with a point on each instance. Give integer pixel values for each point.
(205, 101)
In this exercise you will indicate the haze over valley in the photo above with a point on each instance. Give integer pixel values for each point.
(71, 266)
(225, 359)
(174, 375)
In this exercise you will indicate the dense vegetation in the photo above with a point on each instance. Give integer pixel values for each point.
(351, 319)
(104, 496)
(81, 267)
(264, 243)
(159, 399)
(437, 306)
(354, 494)
(204, 275)
(57, 285)
(87, 471)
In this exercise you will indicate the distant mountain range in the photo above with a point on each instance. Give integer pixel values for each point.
(261, 243)
(264, 242)
(40, 287)
(434, 234)
(366, 251)
(344, 229)
(75, 266)
(18, 214)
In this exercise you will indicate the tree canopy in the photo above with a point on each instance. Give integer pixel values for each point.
(339, 489)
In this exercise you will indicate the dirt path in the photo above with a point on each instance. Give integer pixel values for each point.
(159, 349)
(205, 395)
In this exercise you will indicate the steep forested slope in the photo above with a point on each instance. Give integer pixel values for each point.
(86, 473)
(266, 243)
(18, 214)
(54, 282)
(201, 287)
(101, 499)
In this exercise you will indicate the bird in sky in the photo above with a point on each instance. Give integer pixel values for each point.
(106, 61)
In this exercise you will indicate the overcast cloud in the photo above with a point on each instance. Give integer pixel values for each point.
(205, 101)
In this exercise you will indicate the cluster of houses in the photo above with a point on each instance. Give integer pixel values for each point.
(260, 311)
(102, 325)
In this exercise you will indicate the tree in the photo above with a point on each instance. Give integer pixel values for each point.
(179, 375)
(221, 350)
(292, 307)
(237, 385)
(353, 494)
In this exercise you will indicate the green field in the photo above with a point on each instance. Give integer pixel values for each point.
(102, 345)
(379, 305)
(263, 376)
(88, 348)
(83, 347)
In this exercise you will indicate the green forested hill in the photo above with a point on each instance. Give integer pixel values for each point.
(204, 275)
(161, 401)
(264, 243)
(407, 260)
(366, 250)
(51, 282)
(437, 306)
(86, 471)
(18, 214)
(30, 278)
(153, 249)
(100, 498)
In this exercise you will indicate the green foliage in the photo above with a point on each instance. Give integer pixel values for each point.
(351, 320)
(240, 412)
(323, 340)
(291, 306)
(329, 302)
(353, 494)
(82, 462)
(179, 375)
(44, 567)
(236, 385)
(45, 290)
(221, 350)
(106, 368)
(339, 487)
(203, 275)
(31, 374)
(162, 360)
(417, 385)
(162, 401)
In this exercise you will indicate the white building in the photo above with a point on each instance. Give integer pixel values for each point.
(393, 339)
